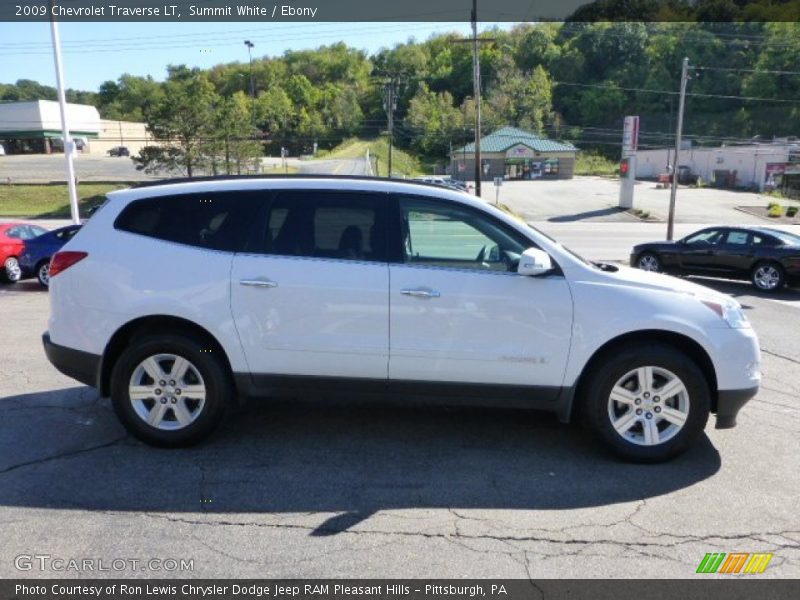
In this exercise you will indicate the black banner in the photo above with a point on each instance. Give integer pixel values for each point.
(277, 11)
(397, 589)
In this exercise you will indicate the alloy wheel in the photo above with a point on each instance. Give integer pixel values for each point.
(648, 262)
(13, 270)
(167, 392)
(767, 277)
(44, 274)
(648, 405)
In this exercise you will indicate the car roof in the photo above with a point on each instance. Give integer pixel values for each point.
(321, 182)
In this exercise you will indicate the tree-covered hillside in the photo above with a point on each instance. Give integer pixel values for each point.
(574, 81)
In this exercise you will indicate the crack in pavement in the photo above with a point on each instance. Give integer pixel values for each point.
(62, 455)
(778, 355)
(678, 540)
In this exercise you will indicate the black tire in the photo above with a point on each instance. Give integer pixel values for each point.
(213, 374)
(767, 276)
(650, 258)
(43, 273)
(597, 404)
(10, 271)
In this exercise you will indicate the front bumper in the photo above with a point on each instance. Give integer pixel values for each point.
(729, 402)
(82, 366)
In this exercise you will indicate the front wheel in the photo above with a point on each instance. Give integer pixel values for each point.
(767, 277)
(647, 403)
(11, 271)
(169, 390)
(649, 262)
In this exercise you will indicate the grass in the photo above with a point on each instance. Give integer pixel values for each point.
(403, 163)
(50, 201)
(588, 163)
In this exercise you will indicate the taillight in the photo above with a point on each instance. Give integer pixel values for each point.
(64, 260)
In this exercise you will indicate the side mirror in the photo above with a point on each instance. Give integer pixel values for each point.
(534, 262)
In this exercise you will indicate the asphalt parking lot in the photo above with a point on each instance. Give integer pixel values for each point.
(314, 489)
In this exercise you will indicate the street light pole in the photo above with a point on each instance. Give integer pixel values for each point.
(250, 45)
(674, 190)
(62, 105)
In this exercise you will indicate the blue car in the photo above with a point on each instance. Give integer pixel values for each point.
(35, 258)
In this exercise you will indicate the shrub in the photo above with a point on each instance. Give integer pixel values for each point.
(791, 211)
(775, 211)
(772, 204)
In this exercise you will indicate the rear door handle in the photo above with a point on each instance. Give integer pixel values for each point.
(421, 293)
(259, 282)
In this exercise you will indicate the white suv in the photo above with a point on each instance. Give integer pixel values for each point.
(177, 299)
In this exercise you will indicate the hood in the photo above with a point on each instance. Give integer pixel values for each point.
(665, 283)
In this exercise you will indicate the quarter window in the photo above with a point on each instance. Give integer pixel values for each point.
(217, 221)
(445, 235)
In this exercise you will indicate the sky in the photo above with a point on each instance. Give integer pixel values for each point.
(98, 52)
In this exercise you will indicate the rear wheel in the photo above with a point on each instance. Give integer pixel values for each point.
(11, 271)
(647, 403)
(43, 273)
(649, 262)
(767, 276)
(168, 390)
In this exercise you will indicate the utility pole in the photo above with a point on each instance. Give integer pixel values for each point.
(62, 104)
(674, 190)
(390, 104)
(476, 82)
(250, 45)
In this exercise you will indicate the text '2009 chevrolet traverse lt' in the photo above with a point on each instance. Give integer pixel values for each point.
(177, 299)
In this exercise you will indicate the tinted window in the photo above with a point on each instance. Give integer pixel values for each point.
(217, 221)
(446, 235)
(14, 232)
(737, 238)
(36, 231)
(340, 225)
(707, 236)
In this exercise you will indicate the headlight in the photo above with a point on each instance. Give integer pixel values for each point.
(730, 312)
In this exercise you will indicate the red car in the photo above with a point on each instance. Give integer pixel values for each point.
(12, 242)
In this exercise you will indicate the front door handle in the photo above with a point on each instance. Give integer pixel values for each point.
(259, 282)
(421, 293)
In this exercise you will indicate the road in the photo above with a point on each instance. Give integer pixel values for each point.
(341, 166)
(321, 489)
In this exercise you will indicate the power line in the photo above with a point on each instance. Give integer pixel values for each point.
(673, 93)
(731, 70)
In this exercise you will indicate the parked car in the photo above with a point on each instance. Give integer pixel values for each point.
(176, 299)
(769, 258)
(119, 151)
(35, 258)
(12, 242)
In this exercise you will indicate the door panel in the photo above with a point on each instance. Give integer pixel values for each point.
(481, 328)
(735, 254)
(458, 310)
(312, 297)
(698, 253)
(305, 316)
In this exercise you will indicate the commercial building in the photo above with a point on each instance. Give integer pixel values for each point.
(35, 128)
(761, 167)
(514, 153)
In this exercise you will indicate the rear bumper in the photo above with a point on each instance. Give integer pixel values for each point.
(82, 366)
(729, 402)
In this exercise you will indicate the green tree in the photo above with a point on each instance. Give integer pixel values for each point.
(181, 120)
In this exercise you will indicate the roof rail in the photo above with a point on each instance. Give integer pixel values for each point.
(203, 179)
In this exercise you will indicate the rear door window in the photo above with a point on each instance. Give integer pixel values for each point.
(327, 224)
(216, 221)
